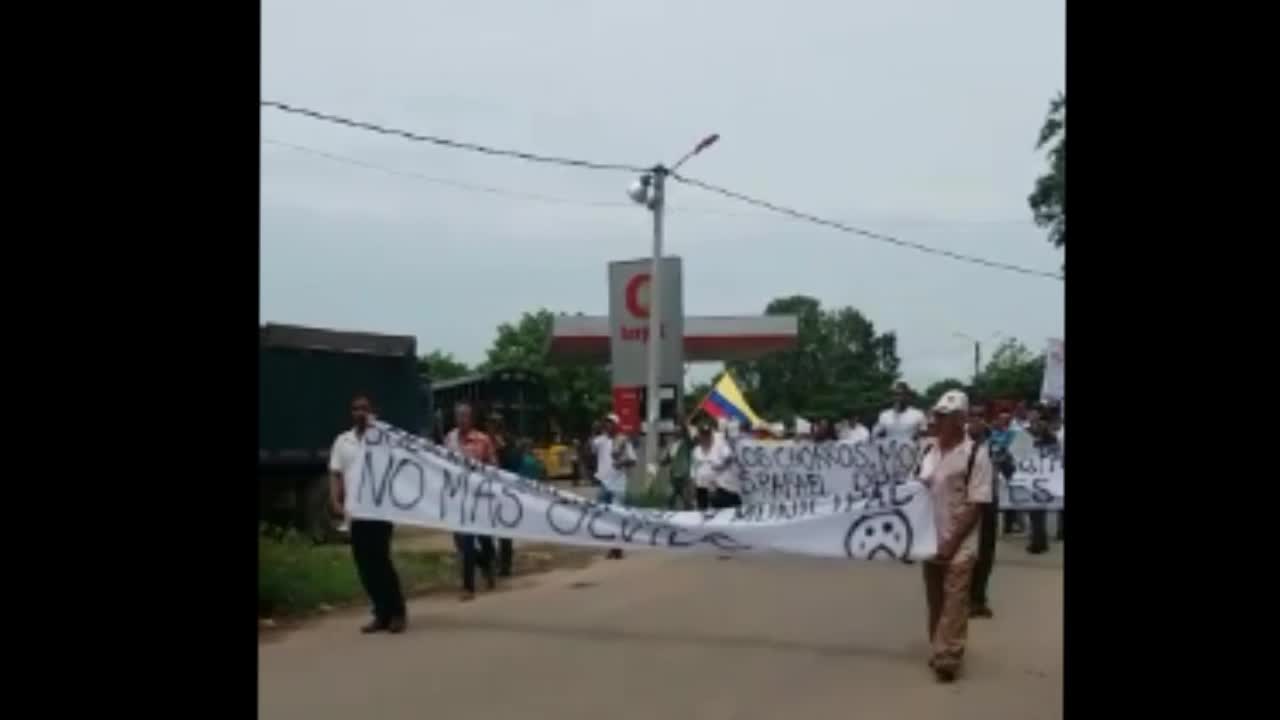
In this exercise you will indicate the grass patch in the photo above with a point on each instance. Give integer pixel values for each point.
(655, 497)
(296, 577)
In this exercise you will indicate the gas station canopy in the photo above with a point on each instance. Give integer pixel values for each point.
(707, 338)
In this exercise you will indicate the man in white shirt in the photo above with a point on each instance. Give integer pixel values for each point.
(614, 458)
(958, 473)
(901, 421)
(855, 431)
(715, 483)
(370, 539)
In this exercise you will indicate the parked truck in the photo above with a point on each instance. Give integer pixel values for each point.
(306, 380)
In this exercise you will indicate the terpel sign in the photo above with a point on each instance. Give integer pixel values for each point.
(630, 291)
(636, 301)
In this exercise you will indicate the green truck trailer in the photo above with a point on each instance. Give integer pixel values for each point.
(306, 379)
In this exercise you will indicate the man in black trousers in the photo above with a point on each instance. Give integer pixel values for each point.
(370, 539)
(980, 433)
(509, 458)
(1046, 445)
(466, 440)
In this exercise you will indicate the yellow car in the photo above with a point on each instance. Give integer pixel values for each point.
(559, 460)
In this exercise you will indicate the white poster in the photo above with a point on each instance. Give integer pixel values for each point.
(1054, 386)
(779, 474)
(405, 479)
(794, 470)
(1038, 483)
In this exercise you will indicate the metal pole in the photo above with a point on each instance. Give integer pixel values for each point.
(653, 400)
(977, 359)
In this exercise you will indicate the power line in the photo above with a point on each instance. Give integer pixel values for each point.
(443, 181)
(521, 195)
(571, 162)
(503, 192)
(445, 142)
(859, 231)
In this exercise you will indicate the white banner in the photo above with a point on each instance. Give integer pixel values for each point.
(405, 479)
(874, 472)
(1038, 483)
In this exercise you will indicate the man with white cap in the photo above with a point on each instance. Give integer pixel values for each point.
(614, 457)
(957, 471)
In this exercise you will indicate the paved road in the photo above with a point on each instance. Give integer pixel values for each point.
(657, 637)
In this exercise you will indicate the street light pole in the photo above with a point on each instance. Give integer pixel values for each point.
(651, 191)
(977, 351)
(653, 401)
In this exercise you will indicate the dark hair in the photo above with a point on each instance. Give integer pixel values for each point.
(362, 396)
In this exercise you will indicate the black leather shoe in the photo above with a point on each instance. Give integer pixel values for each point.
(374, 626)
(397, 625)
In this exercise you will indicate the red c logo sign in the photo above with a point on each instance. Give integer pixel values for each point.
(635, 306)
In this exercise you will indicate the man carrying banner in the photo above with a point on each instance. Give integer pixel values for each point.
(1001, 435)
(983, 436)
(1046, 445)
(510, 458)
(370, 539)
(467, 440)
(708, 459)
(958, 473)
(614, 457)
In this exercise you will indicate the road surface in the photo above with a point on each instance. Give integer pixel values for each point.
(661, 637)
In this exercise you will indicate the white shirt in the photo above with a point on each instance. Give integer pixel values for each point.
(612, 478)
(856, 434)
(342, 458)
(944, 475)
(905, 425)
(709, 467)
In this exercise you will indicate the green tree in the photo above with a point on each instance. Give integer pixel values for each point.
(1013, 373)
(935, 391)
(577, 393)
(1048, 200)
(439, 365)
(839, 364)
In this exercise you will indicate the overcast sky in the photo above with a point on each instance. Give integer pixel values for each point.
(914, 118)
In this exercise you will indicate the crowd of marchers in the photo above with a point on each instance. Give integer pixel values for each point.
(965, 454)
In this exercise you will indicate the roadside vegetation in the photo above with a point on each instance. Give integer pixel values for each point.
(297, 578)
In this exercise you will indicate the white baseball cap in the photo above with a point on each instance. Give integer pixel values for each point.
(613, 418)
(952, 401)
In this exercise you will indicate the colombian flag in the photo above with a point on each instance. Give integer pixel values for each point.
(726, 402)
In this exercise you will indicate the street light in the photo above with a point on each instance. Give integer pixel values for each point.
(650, 190)
(977, 350)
